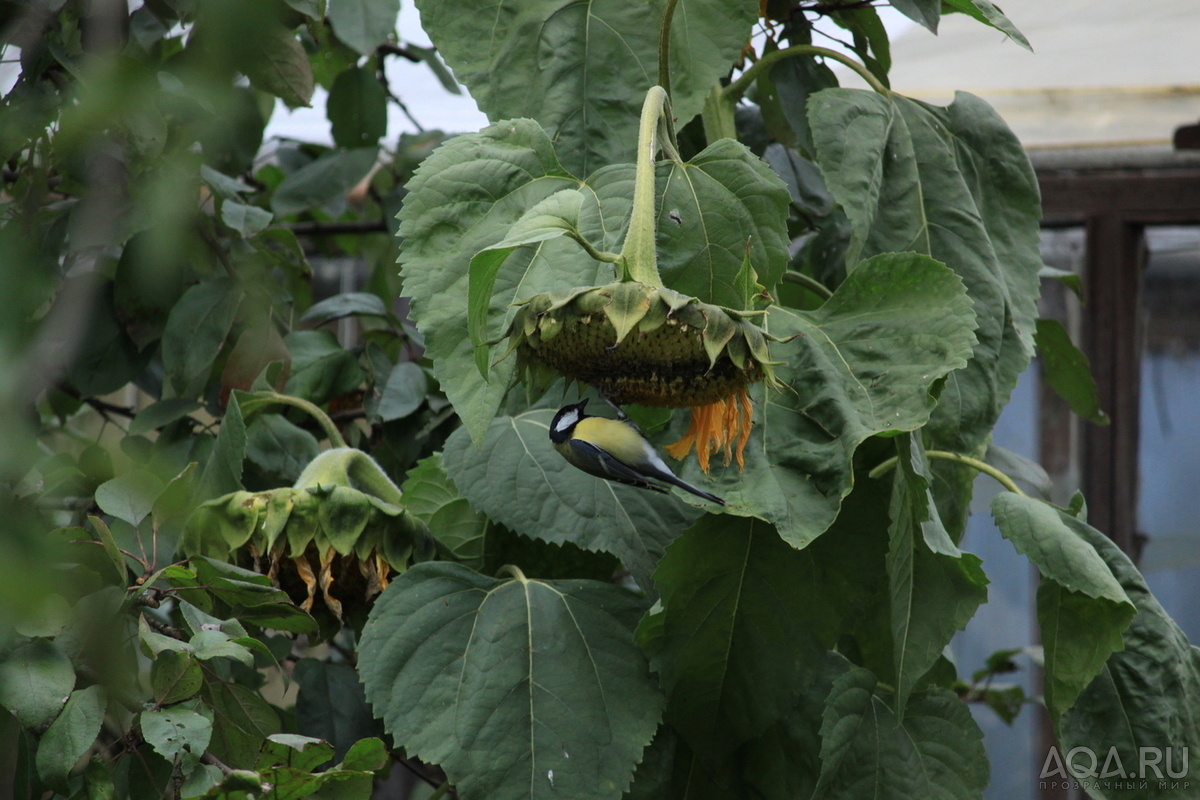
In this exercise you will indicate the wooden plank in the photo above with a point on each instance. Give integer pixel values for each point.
(1169, 196)
(1115, 259)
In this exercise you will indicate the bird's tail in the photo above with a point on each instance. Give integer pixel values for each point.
(687, 487)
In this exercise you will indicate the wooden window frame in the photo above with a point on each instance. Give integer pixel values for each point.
(1114, 206)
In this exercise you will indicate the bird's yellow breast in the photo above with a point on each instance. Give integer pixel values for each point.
(622, 441)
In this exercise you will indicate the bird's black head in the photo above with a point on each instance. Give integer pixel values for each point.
(565, 421)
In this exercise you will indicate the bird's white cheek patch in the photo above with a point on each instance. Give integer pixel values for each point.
(566, 422)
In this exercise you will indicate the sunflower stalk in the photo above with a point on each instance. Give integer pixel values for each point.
(639, 252)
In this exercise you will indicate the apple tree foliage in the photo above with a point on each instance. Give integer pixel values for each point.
(270, 538)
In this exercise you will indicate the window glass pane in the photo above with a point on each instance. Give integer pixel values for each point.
(1169, 436)
(1006, 620)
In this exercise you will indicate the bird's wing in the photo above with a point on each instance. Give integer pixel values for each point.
(614, 469)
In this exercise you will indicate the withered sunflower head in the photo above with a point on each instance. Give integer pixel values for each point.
(653, 346)
(339, 530)
(641, 344)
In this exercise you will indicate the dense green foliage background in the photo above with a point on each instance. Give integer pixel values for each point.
(192, 599)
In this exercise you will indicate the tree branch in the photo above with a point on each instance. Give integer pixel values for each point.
(336, 228)
(399, 50)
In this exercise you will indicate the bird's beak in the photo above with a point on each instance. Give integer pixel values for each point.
(583, 404)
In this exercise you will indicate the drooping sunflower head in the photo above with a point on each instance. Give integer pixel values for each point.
(332, 541)
(652, 346)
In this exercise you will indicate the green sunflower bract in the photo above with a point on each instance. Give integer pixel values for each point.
(641, 344)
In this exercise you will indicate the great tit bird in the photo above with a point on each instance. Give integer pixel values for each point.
(614, 450)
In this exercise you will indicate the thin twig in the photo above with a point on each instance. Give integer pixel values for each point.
(121, 550)
(348, 415)
(165, 629)
(421, 774)
(825, 9)
(336, 228)
(96, 403)
(399, 50)
(209, 758)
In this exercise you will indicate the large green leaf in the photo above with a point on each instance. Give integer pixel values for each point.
(178, 734)
(162, 413)
(223, 472)
(1147, 696)
(517, 688)
(279, 65)
(432, 497)
(520, 481)
(363, 24)
(1067, 372)
(242, 721)
(403, 393)
(709, 208)
(71, 734)
(862, 364)
(786, 760)
(1082, 608)
(107, 357)
(953, 183)
(321, 367)
(583, 69)
(925, 12)
(195, 331)
(357, 108)
(866, 753)
(988, 14)
(737, 631)
(280, 448)
(35, 680)
(175, 676)
(331, 705)
(462, 199)
(343, 305)
(324, 180)
(671, 771)
(934, 588)
(130, 496)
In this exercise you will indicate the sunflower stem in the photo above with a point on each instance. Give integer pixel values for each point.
(808, 282)
(974, 463)
(513, 570)
(327, 425)
(735, 90)
(639, 251)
